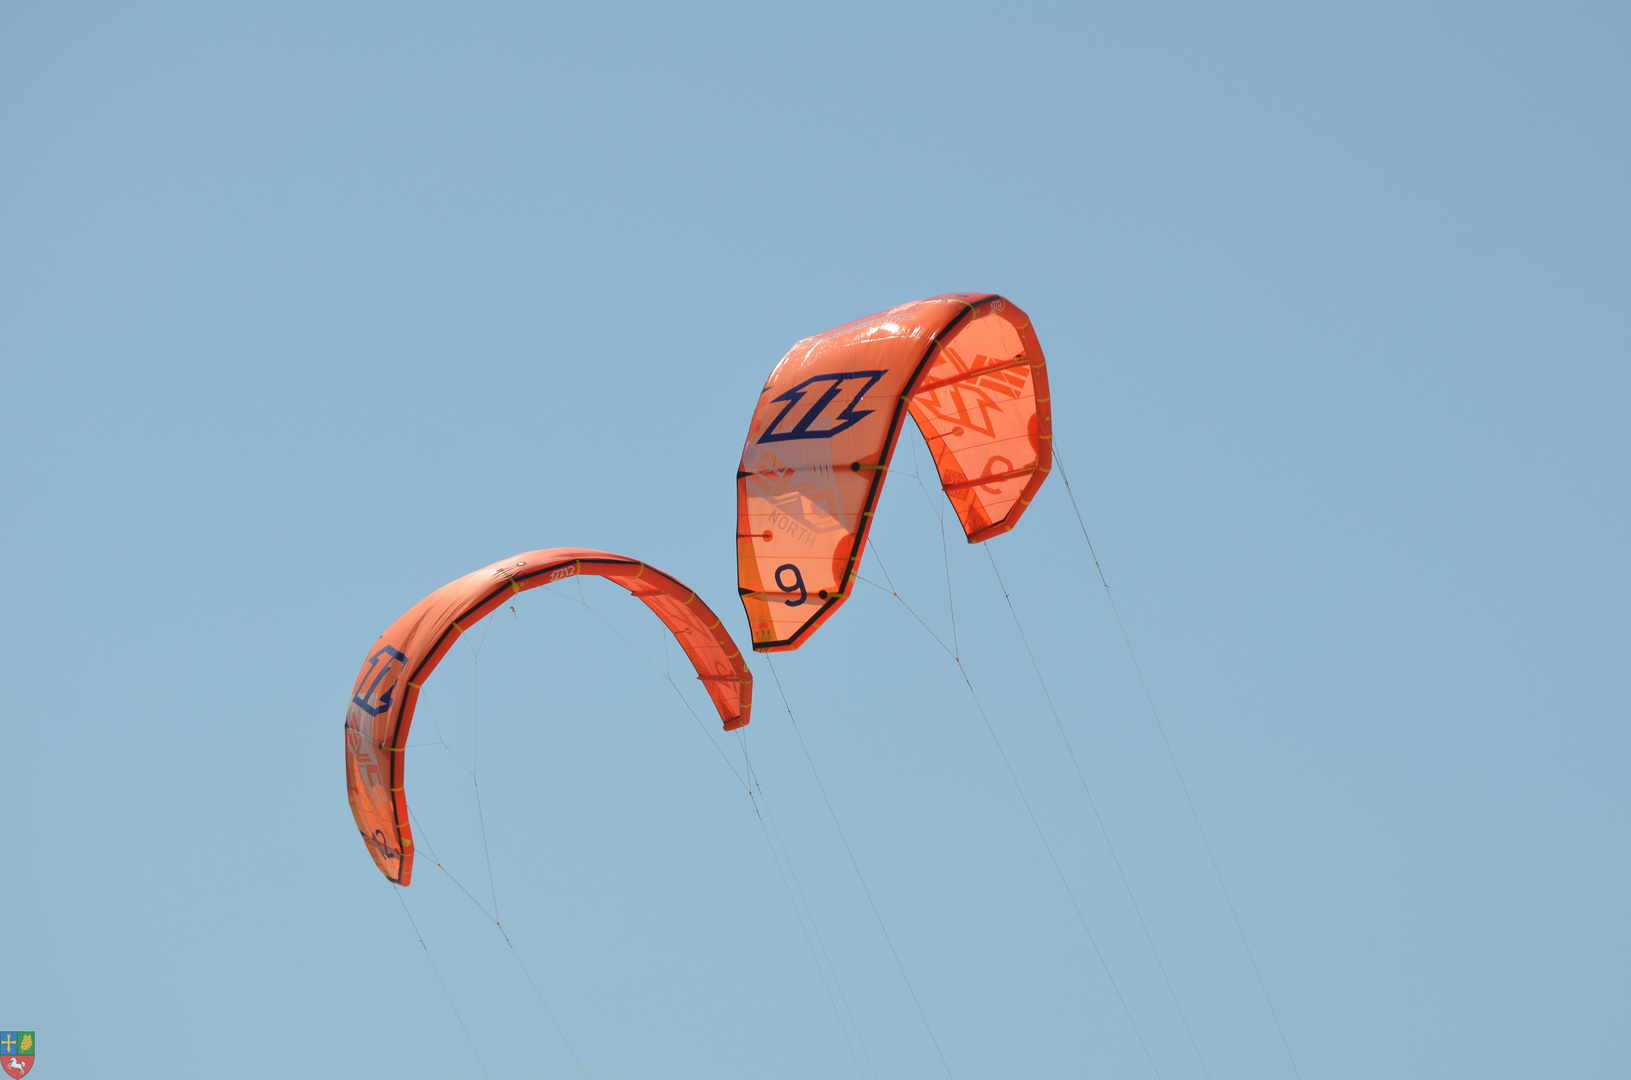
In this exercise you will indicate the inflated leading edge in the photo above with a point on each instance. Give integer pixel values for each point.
(967, 367)
(387, 688)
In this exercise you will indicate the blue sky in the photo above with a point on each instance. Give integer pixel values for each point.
(305, 312)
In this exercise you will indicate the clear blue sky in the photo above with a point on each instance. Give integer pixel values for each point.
(304, 312)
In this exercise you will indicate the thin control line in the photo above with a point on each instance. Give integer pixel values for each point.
(1173, 758)
(857, 867)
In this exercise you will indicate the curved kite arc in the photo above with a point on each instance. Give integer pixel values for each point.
(387, 689)
(969, 370)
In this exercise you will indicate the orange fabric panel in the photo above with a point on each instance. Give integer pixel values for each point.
(982, 407)
(383, 698)
(968, 368)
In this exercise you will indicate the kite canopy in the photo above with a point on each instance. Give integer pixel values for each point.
(387, 688)
(970, 371)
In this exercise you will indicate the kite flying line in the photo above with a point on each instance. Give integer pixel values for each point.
(751, 785)
(1019, 788)
(397, 889)
(424, 837)
(1173, 758)
(796, 884)
(583, 602)
(857, 867)
(1092, 802)
(418, 825)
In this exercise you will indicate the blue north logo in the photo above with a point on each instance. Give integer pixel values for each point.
(378, 683)
(824, 406)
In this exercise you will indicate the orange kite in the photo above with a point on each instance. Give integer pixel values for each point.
(967, 366)
(387, 688)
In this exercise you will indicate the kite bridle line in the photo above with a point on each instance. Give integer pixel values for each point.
(759, 797)
(857, 867)
(1094, 804)
(1166, 743)
(751, 786)
(504, 590)
(1036, 823)
(397, 889)
(514, 952)
(940, 515)
(492, 916)
(1173, 758)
